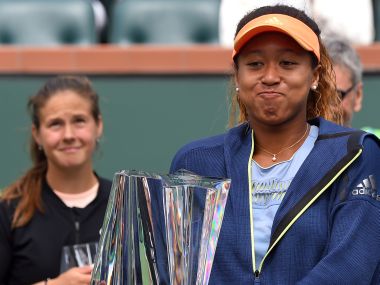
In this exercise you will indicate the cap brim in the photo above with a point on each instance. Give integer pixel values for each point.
(290, 26)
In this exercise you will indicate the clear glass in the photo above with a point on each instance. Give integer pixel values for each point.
(78, 255)
(160, 229)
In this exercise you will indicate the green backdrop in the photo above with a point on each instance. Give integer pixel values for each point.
(147, 118)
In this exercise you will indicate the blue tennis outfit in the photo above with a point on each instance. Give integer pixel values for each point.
(327, 226)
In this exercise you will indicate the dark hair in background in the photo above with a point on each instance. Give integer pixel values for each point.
(27, 189)
(324, 101)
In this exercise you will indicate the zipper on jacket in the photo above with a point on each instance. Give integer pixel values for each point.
(257, 277)
(253, 256)
(77, 232)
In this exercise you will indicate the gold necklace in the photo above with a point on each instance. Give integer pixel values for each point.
(274, 155)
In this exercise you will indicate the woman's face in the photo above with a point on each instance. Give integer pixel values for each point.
(274, 77)
(67, 131)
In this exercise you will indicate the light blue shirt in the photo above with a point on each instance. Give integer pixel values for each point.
(269, 186)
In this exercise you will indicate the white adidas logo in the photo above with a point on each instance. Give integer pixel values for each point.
(274, 21)
(367, 187)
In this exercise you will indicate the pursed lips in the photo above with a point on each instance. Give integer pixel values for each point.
(269, 94)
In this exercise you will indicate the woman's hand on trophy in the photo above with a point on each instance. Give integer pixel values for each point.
(73, 276)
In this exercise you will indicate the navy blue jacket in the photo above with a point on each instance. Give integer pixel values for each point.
(327, 228)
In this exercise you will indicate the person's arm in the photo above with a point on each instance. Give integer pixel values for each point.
(73, 276)
(354, 249)
(353, 252)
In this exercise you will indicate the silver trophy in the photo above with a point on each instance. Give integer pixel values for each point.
(160, 229)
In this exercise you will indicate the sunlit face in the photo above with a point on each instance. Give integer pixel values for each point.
(274, 77)
(67, 131)
(352, 101)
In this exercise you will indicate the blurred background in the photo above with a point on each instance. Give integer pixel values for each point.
(160, 68)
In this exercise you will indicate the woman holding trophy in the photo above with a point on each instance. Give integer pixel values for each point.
(303, 206)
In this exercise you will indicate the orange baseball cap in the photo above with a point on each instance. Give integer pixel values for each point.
(293, 27)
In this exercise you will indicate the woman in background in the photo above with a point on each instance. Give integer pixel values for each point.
(60, 202)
